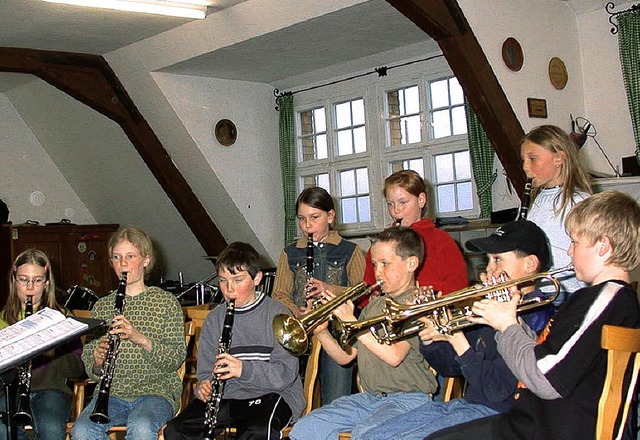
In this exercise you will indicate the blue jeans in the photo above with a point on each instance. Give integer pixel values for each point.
(335, 380)
(357, 413)
(428, 418)
(143, 417)
(50, 410)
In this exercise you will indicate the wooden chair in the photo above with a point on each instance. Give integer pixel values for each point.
(115, 432)
(623, 347)
(196, 315)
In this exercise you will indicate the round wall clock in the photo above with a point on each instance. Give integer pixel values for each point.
(558, 73)
(512, 54)
(226, 132)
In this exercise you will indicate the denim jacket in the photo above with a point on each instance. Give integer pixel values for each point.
(329, 265)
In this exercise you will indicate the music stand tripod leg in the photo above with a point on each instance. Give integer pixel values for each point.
(7, 379)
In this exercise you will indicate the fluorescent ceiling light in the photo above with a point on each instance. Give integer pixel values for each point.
(175, 8)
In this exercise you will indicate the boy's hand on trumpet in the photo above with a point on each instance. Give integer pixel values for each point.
(498, 315)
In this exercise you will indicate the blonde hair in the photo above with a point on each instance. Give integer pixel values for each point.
(574, 178)
(138, 238)
(611, 214)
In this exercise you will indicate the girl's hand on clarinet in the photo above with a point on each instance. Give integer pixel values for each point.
(100, 353)
(122, 327)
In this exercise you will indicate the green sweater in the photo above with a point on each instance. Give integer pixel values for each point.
(158, 315)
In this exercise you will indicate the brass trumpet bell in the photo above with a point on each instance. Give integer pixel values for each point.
(293, 333)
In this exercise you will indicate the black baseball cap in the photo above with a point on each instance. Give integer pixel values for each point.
(521, 235)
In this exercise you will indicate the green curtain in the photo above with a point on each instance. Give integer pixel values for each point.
(482, 155)
(288, 164)
(629, 30)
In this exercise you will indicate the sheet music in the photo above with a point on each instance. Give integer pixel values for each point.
(45, 328)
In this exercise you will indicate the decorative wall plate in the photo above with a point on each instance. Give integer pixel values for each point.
(558, 73)
(226, 132)
(512, 54)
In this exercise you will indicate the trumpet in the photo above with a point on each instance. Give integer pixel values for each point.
(447, 314)
(292, 333)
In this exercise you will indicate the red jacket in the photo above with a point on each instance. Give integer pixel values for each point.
(444, 267)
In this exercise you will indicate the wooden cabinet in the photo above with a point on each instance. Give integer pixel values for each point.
(78, 254)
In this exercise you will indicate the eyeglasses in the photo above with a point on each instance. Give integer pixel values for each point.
(36, 282)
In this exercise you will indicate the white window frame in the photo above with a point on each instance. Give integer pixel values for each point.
(379, 157)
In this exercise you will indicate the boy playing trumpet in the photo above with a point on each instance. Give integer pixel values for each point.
(516, 250)
(396, 378)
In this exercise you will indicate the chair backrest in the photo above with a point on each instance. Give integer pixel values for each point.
(623, 346)
(189, 332)
(311, 376)
(197, 316)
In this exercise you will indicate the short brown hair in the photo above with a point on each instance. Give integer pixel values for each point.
(408, 242)
(237, 257)
(613, 214)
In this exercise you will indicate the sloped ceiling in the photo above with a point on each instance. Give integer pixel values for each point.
(39, 25)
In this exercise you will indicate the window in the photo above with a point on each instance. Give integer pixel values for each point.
(350, 137)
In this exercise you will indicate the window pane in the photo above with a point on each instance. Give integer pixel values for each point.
(320, 120)
(394, 103)
(347, 183)
(343, 115)
(364, 210)
(321, 147)
(446, 198)
(439, 94)
(463, 165)
(410, 100)
(457, 96)
(396, 132)
(362, 177)
(444, 168)
(465, 196)
(322, 180)
(441, 124)
(416, 165)
(360, 140)
(358, 111)
(459, 120)
(348, 209)
(411, 130)
(345, 145)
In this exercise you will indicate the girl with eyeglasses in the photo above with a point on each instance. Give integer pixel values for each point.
(50, 397)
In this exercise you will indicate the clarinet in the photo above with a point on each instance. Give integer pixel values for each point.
(217, 384)
(526, 200)
(100, 412)
(309, 268)
(22, 415)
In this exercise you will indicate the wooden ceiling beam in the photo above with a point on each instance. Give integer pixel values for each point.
(444, 21)
(90, 80)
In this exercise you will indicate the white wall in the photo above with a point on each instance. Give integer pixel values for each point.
(605, 98)
(250, 168)
(25, 167)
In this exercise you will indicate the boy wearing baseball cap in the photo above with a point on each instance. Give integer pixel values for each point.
(516, 250)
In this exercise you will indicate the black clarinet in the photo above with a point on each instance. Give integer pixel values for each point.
(100, 412)
(526, 201)
(22, 415)
(217, 384)
(309, 269)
